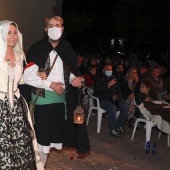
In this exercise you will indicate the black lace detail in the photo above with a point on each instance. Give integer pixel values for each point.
(16, 148)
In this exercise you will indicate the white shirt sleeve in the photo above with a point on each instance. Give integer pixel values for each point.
(31, 78)
(72, 76)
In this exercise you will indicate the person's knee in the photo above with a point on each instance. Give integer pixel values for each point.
(124, 108)
(123, 105)
(113, 108)
(109, 107)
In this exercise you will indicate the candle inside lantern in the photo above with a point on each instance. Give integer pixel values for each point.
(78, 118)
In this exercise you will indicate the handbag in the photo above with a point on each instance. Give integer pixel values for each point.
(32, 104)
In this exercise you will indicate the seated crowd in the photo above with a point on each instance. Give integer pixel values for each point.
(118, 82)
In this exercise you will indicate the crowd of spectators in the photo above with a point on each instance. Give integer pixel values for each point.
(117, 79)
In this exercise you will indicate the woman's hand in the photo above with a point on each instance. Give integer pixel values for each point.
(130, 97)
(42, 75)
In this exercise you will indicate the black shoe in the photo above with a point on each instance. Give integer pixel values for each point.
(115, 133)
(121, 131)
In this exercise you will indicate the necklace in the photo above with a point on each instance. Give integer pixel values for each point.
(10, 56)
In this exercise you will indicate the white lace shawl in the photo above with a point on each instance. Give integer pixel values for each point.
(4, 28)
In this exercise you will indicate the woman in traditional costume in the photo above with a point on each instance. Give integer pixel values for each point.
(18, 145)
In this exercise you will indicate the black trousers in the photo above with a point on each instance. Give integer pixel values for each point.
(49, 123)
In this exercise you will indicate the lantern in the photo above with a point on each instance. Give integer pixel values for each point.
(79, 115)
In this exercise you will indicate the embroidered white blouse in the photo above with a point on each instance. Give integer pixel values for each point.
(9, 78)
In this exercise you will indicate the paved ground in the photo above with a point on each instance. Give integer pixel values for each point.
(110, 153)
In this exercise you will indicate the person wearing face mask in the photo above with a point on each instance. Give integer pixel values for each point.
(52, 68)
(107, 90)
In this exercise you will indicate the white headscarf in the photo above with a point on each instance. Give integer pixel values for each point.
(4, 28)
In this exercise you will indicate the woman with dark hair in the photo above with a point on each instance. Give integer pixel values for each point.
(90, 76)
(147, 93)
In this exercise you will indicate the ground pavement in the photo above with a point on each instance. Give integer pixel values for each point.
(111, 153)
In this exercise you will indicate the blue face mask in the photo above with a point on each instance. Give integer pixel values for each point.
(108, 73)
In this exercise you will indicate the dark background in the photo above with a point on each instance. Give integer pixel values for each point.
(144, 25)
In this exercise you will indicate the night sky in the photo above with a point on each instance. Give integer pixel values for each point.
(142, 23)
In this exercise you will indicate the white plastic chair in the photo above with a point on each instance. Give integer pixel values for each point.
(100, 111)
(148, 124)
(87, 99)
(168, 135)
(148, 127)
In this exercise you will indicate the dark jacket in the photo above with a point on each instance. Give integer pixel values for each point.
(125, 90)
(139, 98)
(101, 89)
(119, 76)
(75, 136)
(39, 52)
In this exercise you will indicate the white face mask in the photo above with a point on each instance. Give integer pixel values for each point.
(108, 73)
(54, 33)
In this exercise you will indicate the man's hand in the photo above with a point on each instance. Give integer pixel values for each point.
(111, 82)
(114, 97)
(57, 87)
(76, 82)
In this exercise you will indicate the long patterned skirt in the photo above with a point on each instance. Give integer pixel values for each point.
(16, 148)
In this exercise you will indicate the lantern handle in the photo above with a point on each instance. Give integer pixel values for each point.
(79, 103)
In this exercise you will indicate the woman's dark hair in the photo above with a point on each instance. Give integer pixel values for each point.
(152, 90)
(13, 24)
(91, 67)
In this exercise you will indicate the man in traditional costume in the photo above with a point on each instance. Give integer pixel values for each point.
(52, 68)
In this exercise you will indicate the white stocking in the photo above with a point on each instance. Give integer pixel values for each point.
(43, 158)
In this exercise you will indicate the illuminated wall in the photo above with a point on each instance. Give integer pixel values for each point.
(29, 15)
